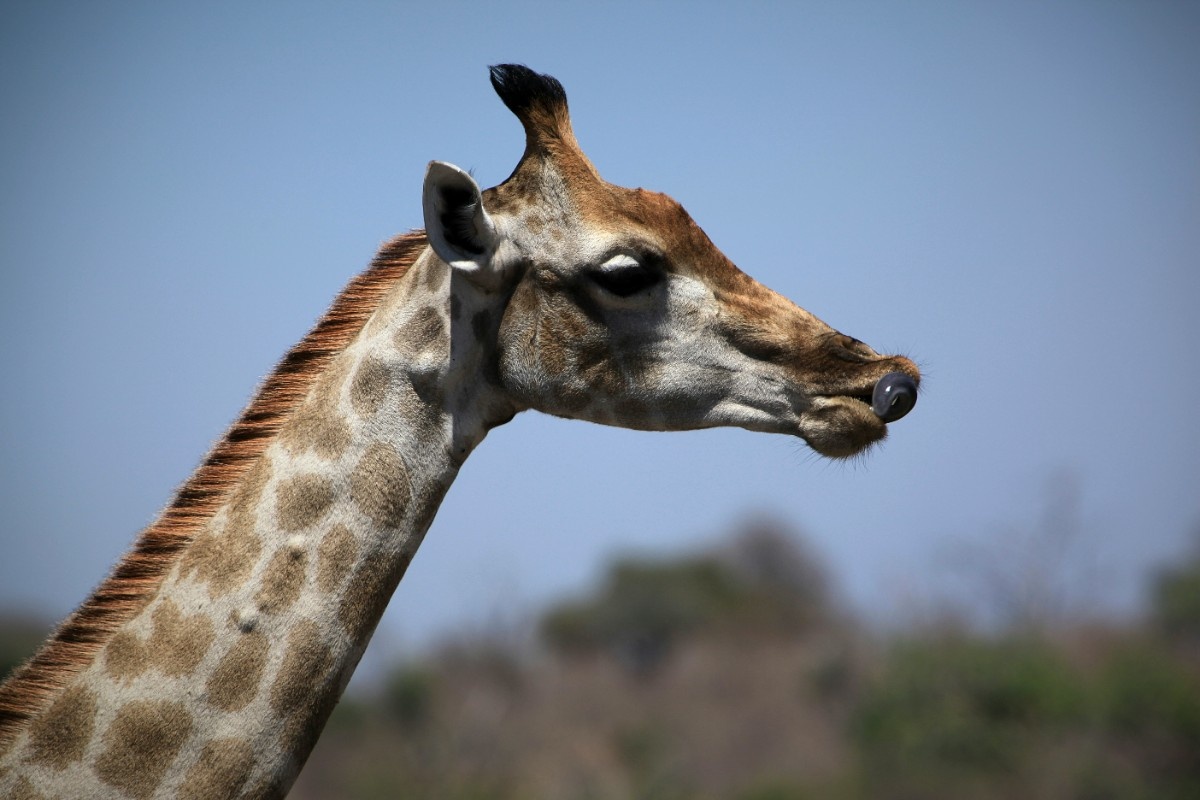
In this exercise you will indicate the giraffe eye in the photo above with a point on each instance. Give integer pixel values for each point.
(624, 276)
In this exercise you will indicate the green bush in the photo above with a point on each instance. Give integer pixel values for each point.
(1150, 700)
(962, 708)
(1175, 602)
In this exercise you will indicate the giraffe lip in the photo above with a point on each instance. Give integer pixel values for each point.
(890, 398)
(861, 396)
(840, 425)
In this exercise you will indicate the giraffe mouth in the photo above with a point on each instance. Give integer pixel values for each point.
(861, 397)
(845, 424)
(890, 399)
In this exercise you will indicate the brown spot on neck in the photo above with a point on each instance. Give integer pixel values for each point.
(223, 561)
(379, 486)
(140, 745)
(303, 501)
(367, 594)
(369, 387)
(318, 424)
(423, 332)
(283, 580)
(58, 737)
(306, 669)
(221, 771)
(24, 791)
(176, 645)
(235, 681)
(335, 556)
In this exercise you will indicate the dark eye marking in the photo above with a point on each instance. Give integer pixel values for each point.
(625, 276)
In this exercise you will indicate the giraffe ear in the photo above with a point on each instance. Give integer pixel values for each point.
(459, 229)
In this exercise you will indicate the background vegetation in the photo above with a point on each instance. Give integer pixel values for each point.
(734, 673)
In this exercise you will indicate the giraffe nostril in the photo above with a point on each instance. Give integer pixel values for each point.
(894, 396)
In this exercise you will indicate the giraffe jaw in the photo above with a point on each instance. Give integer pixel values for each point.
(840, 426)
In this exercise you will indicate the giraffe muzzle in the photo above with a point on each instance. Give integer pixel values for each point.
(894, 396)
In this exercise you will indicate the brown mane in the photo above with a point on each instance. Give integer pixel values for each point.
(139, 573)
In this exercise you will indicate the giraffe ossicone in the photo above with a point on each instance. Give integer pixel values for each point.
(207, 663)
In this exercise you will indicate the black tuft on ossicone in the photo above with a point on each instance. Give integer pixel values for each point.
(522, 89)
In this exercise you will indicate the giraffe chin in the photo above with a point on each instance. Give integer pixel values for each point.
(840, 427)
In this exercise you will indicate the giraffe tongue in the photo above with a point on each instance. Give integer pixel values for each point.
(894, 396)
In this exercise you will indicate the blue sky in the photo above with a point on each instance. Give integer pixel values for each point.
(1008, 192)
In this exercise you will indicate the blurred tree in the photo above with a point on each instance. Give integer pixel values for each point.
(643, 608)
(763, 583)
(790, 585)
(1175, 600)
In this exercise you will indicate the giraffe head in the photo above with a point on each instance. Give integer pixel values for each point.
(612, 305)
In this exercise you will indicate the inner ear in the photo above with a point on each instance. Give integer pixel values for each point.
(459, 229)
(458, 219)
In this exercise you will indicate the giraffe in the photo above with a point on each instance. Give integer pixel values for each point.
(208, 661)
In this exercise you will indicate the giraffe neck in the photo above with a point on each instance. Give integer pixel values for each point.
(223, 681)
